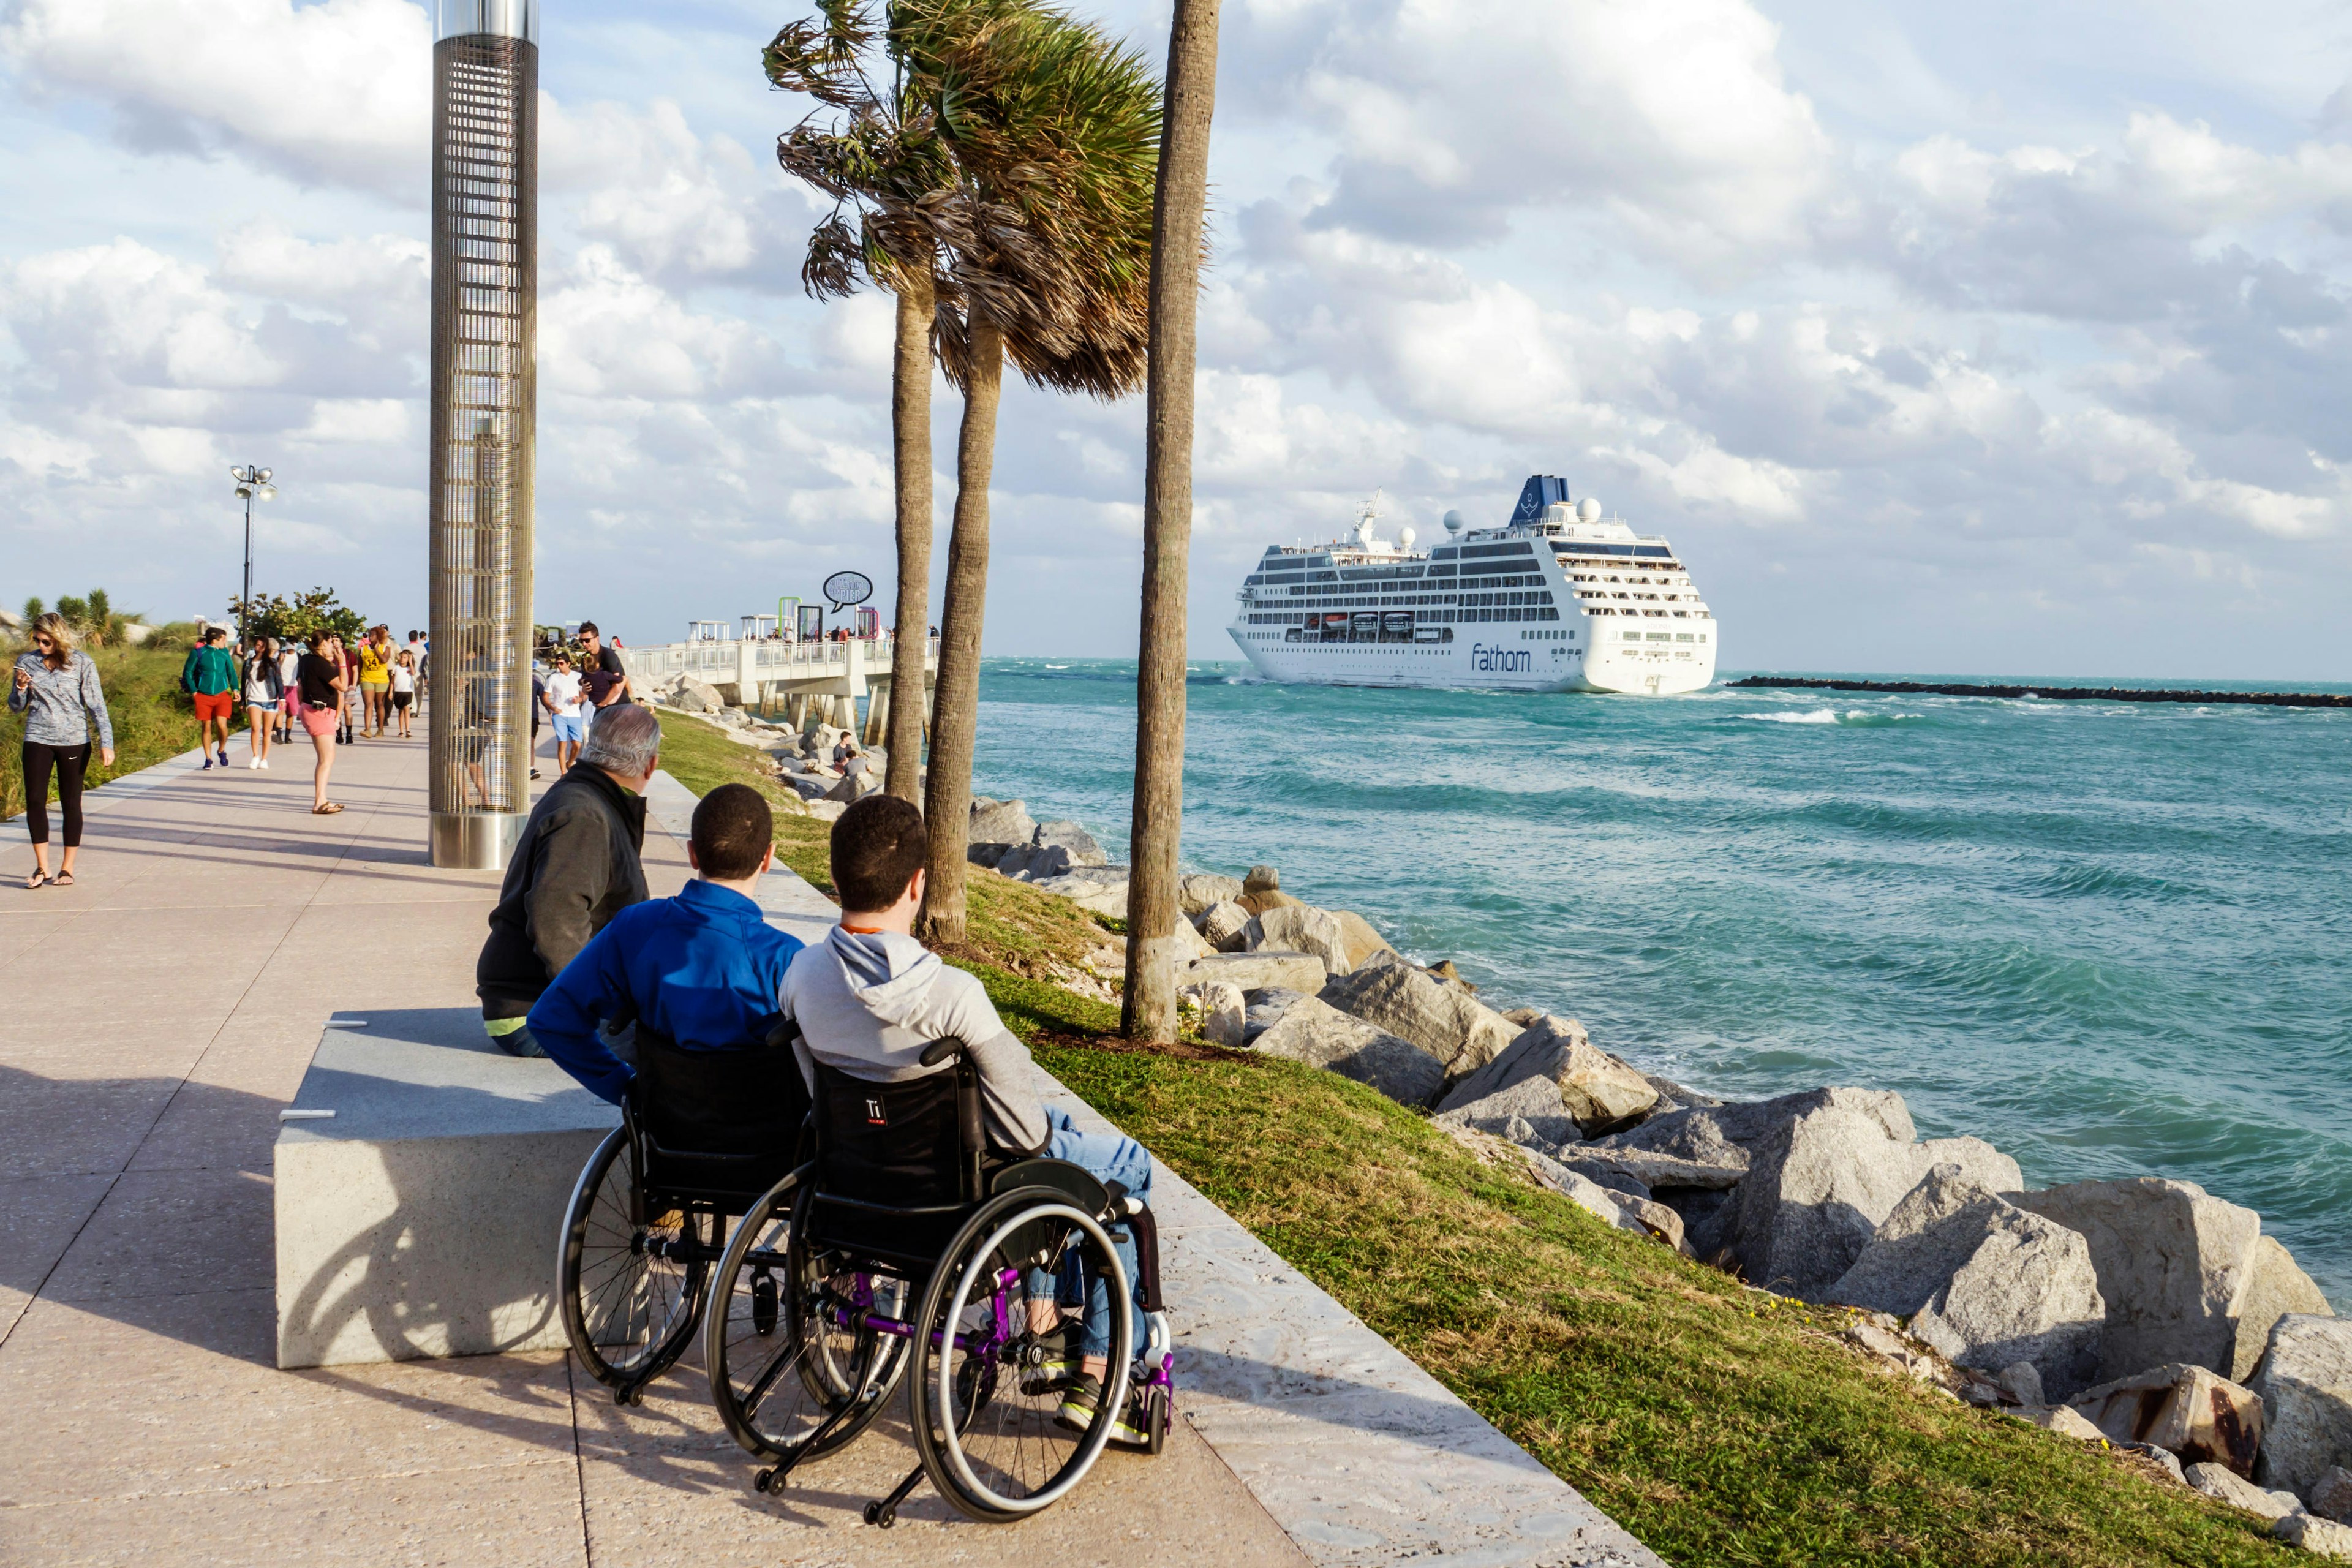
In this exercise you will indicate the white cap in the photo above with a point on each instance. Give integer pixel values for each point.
(500, 18)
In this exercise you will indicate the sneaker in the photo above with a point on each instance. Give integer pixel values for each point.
(208, 764)
(224, 756)
(1083, 1404)
(1057, 1368)
(252, 761)
(265, 761)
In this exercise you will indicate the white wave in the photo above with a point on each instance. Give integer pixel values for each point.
(1831, 716)
(1818, 716)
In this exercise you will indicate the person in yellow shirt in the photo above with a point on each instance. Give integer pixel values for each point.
(376, 680)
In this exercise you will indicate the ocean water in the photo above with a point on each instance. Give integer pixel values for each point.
(2111, 939)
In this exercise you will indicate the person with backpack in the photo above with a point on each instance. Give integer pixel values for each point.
(209, 676)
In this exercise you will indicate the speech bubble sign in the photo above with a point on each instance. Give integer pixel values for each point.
(845, 588)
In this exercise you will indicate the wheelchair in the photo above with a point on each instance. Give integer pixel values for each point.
(703, 1136)
(901, 1253)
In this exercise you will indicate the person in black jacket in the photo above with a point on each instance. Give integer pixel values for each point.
(575, 867)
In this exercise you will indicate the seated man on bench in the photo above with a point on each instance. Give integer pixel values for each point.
(699, 973)
(870, 997)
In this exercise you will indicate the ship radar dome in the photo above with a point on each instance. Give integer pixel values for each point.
(1452, 523)
(1588, 510)
(1405, 538)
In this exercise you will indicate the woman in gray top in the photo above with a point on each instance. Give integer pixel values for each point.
(53, 687)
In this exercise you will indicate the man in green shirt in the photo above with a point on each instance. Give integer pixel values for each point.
(210, 678)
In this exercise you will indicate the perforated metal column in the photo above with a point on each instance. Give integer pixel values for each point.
(484, 303)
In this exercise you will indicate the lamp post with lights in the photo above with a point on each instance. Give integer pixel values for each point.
(252, 485)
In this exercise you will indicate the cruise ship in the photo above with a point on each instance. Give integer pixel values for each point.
(1559, 598)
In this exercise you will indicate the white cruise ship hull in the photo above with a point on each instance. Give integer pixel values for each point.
(1556, 599)
(1508, 666)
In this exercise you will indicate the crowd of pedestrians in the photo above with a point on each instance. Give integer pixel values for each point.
(332, 690)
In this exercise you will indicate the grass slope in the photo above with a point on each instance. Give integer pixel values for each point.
(153, 720)
(1718, 1426)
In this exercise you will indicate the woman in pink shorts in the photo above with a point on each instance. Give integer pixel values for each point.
(319, 690)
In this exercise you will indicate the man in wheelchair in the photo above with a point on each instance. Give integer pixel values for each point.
(869, 1000)
(699, 973)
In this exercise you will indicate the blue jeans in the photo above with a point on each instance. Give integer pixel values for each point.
(1107, 1157)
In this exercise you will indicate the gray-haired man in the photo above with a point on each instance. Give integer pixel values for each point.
(575, 867)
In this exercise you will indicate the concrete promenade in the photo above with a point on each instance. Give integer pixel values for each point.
(162, 1012)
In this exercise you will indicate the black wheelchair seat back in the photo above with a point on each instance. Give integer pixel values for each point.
(717, 1124)
(897, 1144)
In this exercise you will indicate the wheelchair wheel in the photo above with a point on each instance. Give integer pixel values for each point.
(794, 1372)
(629, 1303)
(986, 1424)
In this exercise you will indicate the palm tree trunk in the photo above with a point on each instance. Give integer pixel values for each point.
(947, 803)
(1156, 828)
(911, 434)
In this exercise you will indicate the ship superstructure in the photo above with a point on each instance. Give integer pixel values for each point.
(1559, 598)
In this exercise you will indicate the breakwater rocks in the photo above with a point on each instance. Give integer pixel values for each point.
(2060, 693)
(2143, 1313)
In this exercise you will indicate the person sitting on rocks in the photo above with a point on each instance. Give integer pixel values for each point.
(869, 998)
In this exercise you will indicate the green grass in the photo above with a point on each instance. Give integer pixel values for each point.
(153, 720)
(1720, 1424)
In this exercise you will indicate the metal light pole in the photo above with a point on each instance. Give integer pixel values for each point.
(252, 484)
(484, 409)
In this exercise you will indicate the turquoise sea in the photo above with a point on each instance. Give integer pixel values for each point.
(2112, 939)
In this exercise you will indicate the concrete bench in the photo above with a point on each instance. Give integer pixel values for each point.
(421, 1218)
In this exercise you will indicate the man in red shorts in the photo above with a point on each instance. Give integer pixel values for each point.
(210, 678)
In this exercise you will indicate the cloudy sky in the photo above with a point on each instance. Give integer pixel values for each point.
(1937, 337)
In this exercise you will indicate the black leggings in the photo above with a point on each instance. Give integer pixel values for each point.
(71, 763)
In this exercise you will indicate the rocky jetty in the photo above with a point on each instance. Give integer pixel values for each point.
(2143, 1313)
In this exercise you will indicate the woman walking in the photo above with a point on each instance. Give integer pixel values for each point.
(54, 687)
(290, 682)
(321, 687)
(375, 681)
(265, 689)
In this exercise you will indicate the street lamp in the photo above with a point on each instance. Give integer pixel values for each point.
(252, 484)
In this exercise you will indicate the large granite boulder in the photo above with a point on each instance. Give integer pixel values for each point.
(1266, 1006)
(1102, 888)
(2304, 1382)
(1364, 942)
(2323, 1536)
(1065, 835)
(1656, 1170)
(1221, 1011)
(2331, 1495)
(1225, 926)
(1449, 1025)
(2275, 1286)
(856, 787)
(1828, 1170)
(1626, 1211)
(2174, 1265)
(1200, 891)
(1320, 1035)
(2197, 1414)
(1000, 822)
(1525, 1110)
(1033, 862)
(2224, 1485)
(1185, 943)
(1984, 1283)
(697, 695)
(1298, 928)
(1262, 890)
(1251, 971)
(1590, 1088)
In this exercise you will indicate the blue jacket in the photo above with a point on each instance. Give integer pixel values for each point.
(703, 968)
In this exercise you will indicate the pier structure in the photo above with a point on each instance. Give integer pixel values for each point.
(816, 682)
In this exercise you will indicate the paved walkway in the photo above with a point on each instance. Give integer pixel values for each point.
(163, 1010)
(160, 1013)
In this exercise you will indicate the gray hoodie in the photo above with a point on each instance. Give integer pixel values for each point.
(867, 1004)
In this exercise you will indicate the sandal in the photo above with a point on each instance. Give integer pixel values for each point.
(39, 878)
(63, 878)
(329, 809)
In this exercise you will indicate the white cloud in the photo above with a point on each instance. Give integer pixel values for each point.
(333, 92)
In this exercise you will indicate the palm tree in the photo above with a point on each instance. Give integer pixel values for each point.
(1147, 1009)
(1046, 247)
(881, 165)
